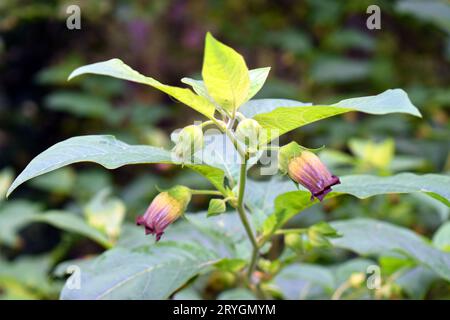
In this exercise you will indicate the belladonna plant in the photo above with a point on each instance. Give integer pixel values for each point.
(244, 215)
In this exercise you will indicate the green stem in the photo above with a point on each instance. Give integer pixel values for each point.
(240, 209)
(240, 203)
(340, 290)
(242, 181)
(207, 123)
(230, 135)
(287, 231)
(253, 260)
(206, 192)
(241, 151)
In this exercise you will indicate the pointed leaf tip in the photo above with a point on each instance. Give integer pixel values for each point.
(225, 74)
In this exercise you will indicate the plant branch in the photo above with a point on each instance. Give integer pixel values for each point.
(243, 216)
(241, 151)
(240, 202)
(287, 231)
(232, 138)
(207, 123)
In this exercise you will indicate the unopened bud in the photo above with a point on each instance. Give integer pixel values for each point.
(249, 132)
(188, 142)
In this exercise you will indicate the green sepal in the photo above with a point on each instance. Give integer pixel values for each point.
(289, 151)
(216, 206)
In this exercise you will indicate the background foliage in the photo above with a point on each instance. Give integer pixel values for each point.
(319, 51)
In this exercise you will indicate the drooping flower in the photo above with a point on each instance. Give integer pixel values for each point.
(305, 168)
(310, 172)
(165, 208)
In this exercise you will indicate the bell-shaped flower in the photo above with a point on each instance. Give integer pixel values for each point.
(307, 170)
(165, 208)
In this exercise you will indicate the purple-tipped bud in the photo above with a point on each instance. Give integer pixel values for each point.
(165, 208)
(307, 170)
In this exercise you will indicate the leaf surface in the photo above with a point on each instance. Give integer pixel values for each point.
(118, 69)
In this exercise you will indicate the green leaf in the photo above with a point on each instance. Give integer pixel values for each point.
(231, 265)
(416, 281)
(257, 79)
(304, 281)
(65, 268)
(260, 197)
(60, 181)
(257, 106)
(14, 215)
(214, 175)
(394, 262)
(325, 229)
(104, 150)
(151, 272)
(286, 118)
(225, 234)
(216, 206)
(365, 186)
(319, 234)
(441, 239)
(79, 104)
(289, 203)
(309, 281)
(219, 152)
(187, 293)
(116, 68)
(343, 271)
(225, 74)
(220, 238)
(237, 294)
(27, 278)
(371, 237)
(199, 88)
(222, 234)
(72, 223)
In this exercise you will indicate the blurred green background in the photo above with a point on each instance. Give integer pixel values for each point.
(320, 51)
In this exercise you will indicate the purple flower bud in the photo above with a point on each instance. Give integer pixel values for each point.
(307, 170)
(165, 208)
